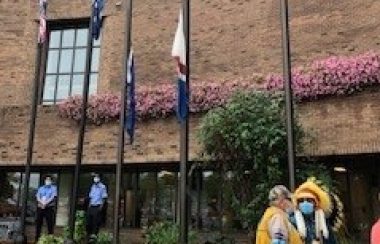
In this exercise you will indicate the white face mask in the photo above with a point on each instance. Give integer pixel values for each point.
(96, 179)
(48, 182)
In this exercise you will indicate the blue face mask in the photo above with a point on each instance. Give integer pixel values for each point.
(306, 207)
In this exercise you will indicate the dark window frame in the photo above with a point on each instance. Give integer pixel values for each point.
(61, 25)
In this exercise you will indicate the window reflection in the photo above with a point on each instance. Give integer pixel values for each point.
(52, 61)
(93, 83)
(209, 209)
(166, 195)
(66, 61)
(68, 38)
(63, 87)
(80, 60)
(55, 38)
(77, 85)
(81, 39)
(95, 59)
(49, 88)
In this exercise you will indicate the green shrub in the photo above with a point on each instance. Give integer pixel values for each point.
(104, 238)
(50, 239)
(247, 137)
(166, 233)
(80, 226)
(79, 229)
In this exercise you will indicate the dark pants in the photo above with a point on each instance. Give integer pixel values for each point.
(48, 214)
(94, 216)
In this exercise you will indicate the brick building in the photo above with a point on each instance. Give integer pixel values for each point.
(344, 131)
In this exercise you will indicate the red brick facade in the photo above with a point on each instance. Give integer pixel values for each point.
(337, 126)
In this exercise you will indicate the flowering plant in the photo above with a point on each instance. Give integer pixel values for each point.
(152, 101)
(331, 76)
(327, 77)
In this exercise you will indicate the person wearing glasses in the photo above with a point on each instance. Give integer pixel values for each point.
(275, 227)
(312, 203)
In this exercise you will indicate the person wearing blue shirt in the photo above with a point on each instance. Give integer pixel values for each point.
(46, 196)
(97, 198)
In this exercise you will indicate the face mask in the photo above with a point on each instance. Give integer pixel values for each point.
(96, 179)
(306, 207)
(48, 182)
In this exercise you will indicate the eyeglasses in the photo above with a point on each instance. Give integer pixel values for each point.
(311, 200)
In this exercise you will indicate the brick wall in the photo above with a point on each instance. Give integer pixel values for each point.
(56, 140)
(16, 60)
(18, 38)
(340, 126)
(335, 126)
(231, 38)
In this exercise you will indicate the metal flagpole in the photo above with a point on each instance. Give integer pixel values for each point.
(29, 155)
(120, 151)
(79, 153)
(288, 90)
(184, 131)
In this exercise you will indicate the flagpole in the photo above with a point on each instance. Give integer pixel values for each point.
(184, 132)
(120, 151)
(79, 154)
(29, 155)
(288, 90)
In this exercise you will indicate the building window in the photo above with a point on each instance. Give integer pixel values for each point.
(65, 65)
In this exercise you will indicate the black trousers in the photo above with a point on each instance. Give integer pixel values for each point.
(94, 216)
(48, 214)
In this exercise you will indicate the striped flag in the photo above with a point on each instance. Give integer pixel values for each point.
(179, 54)
(42, 27)
(131, 102)
(97, 8)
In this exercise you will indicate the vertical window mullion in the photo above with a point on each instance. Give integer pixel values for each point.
(58, 64)
(45, 51)
(73, 62)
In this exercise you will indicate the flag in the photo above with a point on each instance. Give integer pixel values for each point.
(130, 101)
(42, 27)
(179, 54)
(97, 8)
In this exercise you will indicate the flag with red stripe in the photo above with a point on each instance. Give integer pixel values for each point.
(179, 54)
(42, 30)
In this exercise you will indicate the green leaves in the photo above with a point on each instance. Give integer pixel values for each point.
(248, 137)
(50, 239)
(166, 233)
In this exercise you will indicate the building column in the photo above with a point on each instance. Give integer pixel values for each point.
(64, 192)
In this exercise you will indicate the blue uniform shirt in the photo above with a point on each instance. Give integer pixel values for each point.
(97, 193)
(46, 193)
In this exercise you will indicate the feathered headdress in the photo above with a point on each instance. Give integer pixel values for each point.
(311, 189)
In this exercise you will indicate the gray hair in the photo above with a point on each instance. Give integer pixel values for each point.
(277, 191)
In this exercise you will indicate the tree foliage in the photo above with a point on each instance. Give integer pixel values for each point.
(247, 137)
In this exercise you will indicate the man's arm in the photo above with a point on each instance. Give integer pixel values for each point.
(104, 195)
(278, 230)
(104, 192)
(40, 202)
(53, 196)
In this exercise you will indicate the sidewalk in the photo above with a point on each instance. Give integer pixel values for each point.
(131, 236)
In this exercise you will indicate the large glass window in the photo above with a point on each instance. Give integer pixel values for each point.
(65, 65)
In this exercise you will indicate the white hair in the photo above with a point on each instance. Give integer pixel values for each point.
(277, 191)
